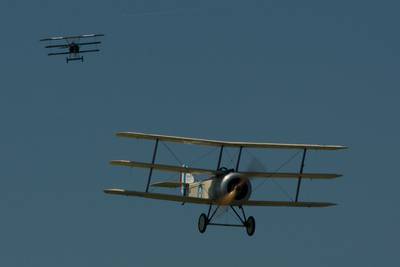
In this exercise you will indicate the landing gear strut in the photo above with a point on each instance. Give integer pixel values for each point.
(249, 223)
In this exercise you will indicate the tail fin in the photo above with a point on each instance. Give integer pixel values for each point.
(186, 179)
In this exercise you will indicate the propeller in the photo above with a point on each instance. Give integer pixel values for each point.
(231, 196)
(228, 198)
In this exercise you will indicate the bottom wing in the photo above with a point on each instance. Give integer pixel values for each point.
(288, 204)
(89, 51)
(196, 200)
(60, 53)
(168, 197)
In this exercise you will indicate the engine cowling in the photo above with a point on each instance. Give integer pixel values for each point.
(236, 181)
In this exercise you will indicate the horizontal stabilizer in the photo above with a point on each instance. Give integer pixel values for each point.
(195, 200)
(179, 169)
(197, 141)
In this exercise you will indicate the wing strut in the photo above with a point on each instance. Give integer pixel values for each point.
(238, 159)
(151, 169)
(220, 157)
(301, 172)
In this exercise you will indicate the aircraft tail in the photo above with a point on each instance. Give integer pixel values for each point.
(186, 179)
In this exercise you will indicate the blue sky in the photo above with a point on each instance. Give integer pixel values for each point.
(276, 71)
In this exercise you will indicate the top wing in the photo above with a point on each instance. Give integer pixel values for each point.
(72, 37)
(197, 141)
(179, 169)
(195, 200)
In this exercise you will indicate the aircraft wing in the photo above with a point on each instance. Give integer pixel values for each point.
(179, 169)
(159, 196)
(287, 204)
(57, 46)
(162, 167)
(71, 37)
(66, 45)
(89, 43)
(169, 184)
(61, 53)
(197, 141)
(89, 51)
(195, 200)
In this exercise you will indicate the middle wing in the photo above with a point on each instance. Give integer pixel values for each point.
(170, 168)
(196, 200)
(66, 45)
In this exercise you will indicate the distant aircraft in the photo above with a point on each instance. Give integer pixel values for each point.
(73, 45)
(224, 187)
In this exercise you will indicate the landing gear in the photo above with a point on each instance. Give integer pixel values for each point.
(73, 58)
(249, 223)
(202, 224)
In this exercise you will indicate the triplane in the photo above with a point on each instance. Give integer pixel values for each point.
(73, 45)
(224, 187)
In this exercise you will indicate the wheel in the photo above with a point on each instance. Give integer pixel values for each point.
(202, 224)
(250, 225)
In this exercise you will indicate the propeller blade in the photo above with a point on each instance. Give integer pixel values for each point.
(228, 198)
(231, 196)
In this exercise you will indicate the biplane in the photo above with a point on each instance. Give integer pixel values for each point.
(73, 45)
(229, 188)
